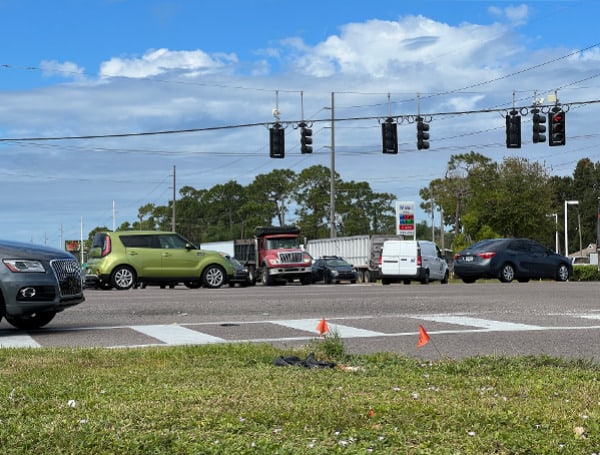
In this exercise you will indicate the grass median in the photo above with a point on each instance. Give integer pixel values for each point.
(222, 399)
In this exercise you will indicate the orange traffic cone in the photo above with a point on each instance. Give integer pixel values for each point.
(322, 327)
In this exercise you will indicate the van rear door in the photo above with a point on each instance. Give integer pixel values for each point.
(400, 258)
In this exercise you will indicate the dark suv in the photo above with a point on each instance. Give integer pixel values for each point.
(36, 282)
(124, 259)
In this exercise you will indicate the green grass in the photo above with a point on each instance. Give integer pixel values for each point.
(230, 399)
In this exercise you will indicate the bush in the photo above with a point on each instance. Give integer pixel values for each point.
(586, 273)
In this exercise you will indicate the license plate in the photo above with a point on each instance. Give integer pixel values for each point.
(468, 258)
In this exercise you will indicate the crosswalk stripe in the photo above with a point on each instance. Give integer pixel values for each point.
(176, 335)
(498, 326)
(344, 331)
(18, 341)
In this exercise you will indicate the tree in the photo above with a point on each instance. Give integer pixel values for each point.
(313, 197)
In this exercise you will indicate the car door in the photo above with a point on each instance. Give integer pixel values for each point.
(143, 254)
(541, 263)
(177, 259)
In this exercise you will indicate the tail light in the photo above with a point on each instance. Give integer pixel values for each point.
(380, 260)
(487, 255)
(107, 247)
(419, 258)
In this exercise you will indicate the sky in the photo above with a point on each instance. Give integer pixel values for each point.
(107, 105)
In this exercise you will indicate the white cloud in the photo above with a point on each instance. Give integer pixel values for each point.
(155, 62)
(65, 69)
(516, 15)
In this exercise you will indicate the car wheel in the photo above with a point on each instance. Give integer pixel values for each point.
(35, 321)
(562, 273)
(327, 279)
(123, 278)
(507, 273)
(469, 280)
(446, 278)
(425, 279)
(266, 278)
(192, 284)
(213, 276)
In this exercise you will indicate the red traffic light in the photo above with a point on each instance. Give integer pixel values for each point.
(557, 118)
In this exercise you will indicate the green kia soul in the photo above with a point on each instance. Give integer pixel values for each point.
(124, 259)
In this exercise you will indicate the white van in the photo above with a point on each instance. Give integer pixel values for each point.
(412, 260)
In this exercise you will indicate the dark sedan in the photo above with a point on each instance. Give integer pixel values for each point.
(333, 269)
(510, 259)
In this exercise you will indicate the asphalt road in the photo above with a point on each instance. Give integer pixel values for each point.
(557, 319)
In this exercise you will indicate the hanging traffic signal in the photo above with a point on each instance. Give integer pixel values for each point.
(556, 123)
(513, 130)
(305, 138)
(538, 126)
(422, 134)
(389, 135)
(277, 141)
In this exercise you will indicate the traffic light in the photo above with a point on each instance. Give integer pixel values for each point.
(277, 141)
(556, 123)
(422, 134)
(513, 130)
(538, 126)
(305, 138)
(389, 134)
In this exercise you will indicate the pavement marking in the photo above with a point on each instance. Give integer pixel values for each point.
(488, 324)
(18, 341)
(344, 331)
(176, 335)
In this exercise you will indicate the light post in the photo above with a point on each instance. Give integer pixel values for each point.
(555, 215)
(566, 235)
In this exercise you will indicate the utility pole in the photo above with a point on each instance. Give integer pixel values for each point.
(174, 192)
(332, 230)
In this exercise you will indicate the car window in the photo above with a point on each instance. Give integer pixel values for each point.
(172, 241)
(336, 262)
(537, 248)
(137, 241)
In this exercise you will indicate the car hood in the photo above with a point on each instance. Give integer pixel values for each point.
(12, 249)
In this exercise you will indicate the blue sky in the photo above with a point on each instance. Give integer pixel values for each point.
(105, 67)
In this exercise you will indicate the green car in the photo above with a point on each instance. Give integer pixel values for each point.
(125, 259)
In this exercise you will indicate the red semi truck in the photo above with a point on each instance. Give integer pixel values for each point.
(274, 256)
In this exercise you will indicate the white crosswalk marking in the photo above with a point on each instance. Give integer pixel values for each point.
(497, 326)
(176, 335)
(18, 341)
(344, 331)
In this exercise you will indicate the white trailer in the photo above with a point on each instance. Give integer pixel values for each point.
(362, 251)
(225, 246)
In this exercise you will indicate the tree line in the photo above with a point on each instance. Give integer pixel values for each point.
(477, 198)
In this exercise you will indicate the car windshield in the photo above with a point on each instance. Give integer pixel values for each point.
(484, 245)
(336, 262)
(274, 244)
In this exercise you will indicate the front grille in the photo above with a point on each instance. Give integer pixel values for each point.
(291, 258)
(68, 274)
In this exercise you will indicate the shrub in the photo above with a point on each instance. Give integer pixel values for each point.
(586, 273)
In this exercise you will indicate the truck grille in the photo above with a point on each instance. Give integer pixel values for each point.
(68, 273)
(291, 258)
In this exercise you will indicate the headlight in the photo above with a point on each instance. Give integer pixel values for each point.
(24, 265)
(335, 272)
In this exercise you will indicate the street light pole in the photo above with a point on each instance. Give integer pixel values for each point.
(566, 228)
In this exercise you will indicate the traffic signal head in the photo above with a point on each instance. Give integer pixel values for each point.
(556, 123)
(276, 141)
(538, 126)
(389, 135)
(422, 134)
(513, 130)
(305, 138)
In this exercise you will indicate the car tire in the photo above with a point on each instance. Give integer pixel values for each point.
(213, 276)
(507, 273)
(265, 278)
(123, 278)
(562, 274)
(446, 278)
(34, 321)
(425, 279)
